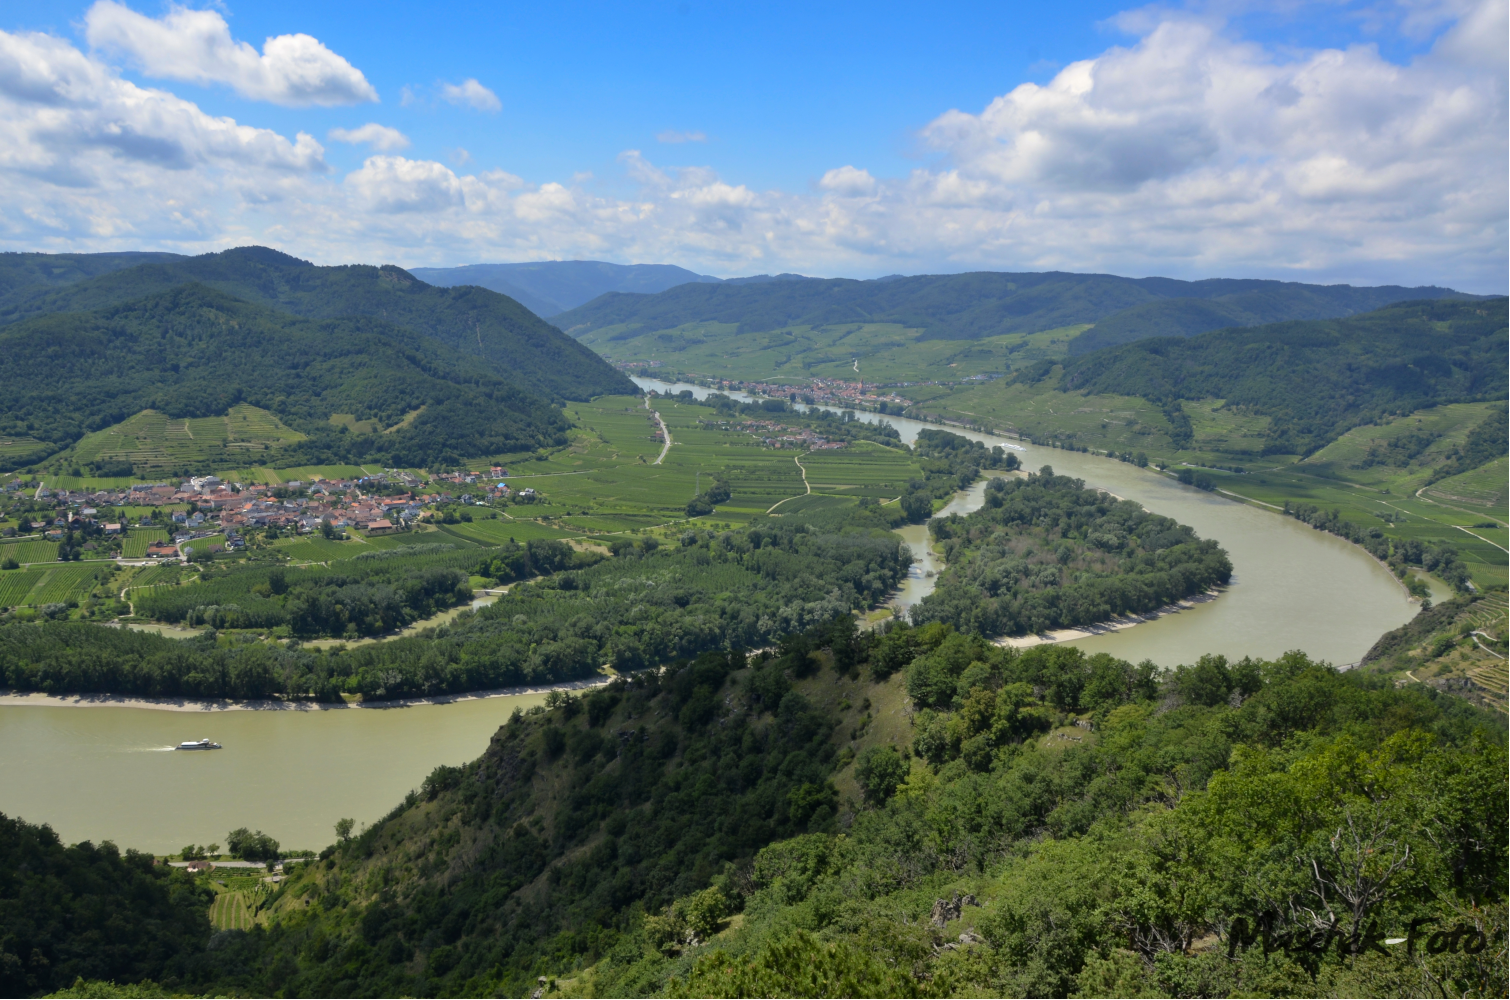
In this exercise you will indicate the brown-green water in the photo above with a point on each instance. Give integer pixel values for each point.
(107, 773)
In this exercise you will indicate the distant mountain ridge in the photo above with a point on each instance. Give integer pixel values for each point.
(549, 287)
(507, 339)
(976, 305)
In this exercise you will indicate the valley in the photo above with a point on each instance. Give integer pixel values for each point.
(740, 738)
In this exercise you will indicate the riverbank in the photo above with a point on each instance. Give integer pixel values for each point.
(1107, 627)
(36, 698)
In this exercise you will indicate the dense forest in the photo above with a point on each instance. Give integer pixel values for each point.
(1315, 380)
(1046, 553)
(511, 342)
(985, 304)
(195, 352)
(1051, 825)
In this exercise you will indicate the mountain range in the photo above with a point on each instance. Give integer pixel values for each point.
(978, 305)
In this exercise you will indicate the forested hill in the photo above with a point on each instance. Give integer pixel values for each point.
(553, 286)
(35, 271)
(985, 304)
(1317, 379)
(517, 345)
(194, 352)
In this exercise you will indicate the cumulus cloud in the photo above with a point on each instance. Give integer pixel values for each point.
(673, 137)
(1188, 151)
(849, 182)
(196, 46)
(379, 137)
(470, 94)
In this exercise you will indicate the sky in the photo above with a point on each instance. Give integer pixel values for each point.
(1358, 142)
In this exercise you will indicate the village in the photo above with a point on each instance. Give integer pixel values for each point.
(205, 506)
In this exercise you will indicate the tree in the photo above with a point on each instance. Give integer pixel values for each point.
(879, 771)
(343, 829)
(251, 846)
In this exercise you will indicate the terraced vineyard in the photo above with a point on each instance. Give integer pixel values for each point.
(153, 442)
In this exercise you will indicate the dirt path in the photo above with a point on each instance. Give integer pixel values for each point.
(664, 433)
(807, 487)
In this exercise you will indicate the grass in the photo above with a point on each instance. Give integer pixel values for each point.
(152, 441)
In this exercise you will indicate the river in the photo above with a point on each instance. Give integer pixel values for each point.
(1292, 587)
(104, 773)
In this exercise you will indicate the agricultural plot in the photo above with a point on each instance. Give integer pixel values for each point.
(65, 582)
(15, 584)
(1480, 492)
(306, 473)
(497, 532)
(863, 469)
(153, 441)
(34, 551)
(157, 576)
(230, 912)
(19, 451)
(134, 545)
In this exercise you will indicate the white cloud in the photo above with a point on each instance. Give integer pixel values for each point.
(1188, 152)
(673, 137)
(196, 46)
(471, 94)
(379, 137)
(848, 182)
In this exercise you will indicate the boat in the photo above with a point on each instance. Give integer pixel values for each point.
(197, 745)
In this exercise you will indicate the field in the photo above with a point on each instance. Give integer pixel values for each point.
(55, 584)
(874, 352)
(18, 451)
(153, 442)
(33, 551)
(134, 545)
(15, 584)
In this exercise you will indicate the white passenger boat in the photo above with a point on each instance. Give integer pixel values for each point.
(198, 745)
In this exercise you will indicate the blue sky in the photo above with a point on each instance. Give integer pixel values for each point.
(817, 138)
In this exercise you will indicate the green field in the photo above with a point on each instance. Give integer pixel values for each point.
(32, 551)
(229, 912)
(134, 545)
(18, 451)
(152, 441)
(54, 584)
(15, 584)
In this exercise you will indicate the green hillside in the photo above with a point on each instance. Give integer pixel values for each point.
(803, 324)
(195, 353)
(788, 825)
(516, 344)
(1314, 380)
(30, 273)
